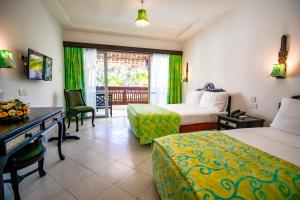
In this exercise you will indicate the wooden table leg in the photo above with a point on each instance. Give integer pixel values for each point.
(65, 135)
(2, 164)
(60, 136)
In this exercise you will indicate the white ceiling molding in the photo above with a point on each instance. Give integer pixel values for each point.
(57, 10)
(219, 10)
(172, 20)
(114, 32)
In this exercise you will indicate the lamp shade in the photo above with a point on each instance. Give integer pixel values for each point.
(279, 71)
(6, 59)
(142, 19)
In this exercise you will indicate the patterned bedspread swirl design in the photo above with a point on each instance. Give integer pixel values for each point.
(212, 165)
(148, 121)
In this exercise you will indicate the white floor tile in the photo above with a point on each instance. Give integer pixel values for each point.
(97, 162)
(83, 156)
(146, 167)
(63, 196)
(135, 158)
(114, 172)
(115, 193)
(135, 182)
(89, 188)
(69, 173)
(150, 193)
(44, 188)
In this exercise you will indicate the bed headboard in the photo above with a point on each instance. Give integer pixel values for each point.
(211, 88)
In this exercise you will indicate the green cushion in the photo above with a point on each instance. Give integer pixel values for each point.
(28, 152)
(75, 98)
(81, 109)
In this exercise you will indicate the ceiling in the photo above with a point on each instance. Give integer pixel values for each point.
(174, 20)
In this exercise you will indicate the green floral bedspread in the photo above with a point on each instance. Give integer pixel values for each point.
(148, 122)
(212, 165)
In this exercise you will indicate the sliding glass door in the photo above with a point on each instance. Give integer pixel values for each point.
(115, 79)
(128, 79)
(159, 78)
(95, 66)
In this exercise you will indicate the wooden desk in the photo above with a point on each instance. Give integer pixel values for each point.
(15, 135)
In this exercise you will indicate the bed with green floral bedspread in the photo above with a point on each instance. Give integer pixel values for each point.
(148, 122)
(212, 165)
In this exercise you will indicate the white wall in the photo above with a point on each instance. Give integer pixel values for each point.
(237, 52)
(23, 25)
(113, 39)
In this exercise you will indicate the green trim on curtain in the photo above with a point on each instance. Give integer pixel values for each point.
(74, 69)
(174, 82)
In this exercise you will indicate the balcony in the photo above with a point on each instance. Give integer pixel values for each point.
(124, 95)
(119, 98)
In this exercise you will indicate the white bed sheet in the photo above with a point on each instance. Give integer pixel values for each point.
(278, 143)
(193, 114)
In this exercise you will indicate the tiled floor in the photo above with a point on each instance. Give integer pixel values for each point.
(106, 163)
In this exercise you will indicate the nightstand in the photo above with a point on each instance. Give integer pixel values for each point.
(227, 122)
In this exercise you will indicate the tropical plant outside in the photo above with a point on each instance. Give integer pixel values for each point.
(125, 75)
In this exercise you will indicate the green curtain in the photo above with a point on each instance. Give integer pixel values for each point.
(174, 83)
(74, 71)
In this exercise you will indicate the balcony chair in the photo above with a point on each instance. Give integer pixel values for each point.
(24, 157)
(100, 102)
(76, 105)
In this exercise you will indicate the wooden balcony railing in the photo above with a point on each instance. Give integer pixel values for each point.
(126, 95)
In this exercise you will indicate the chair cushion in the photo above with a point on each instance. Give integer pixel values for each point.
(75, 98)
(81, 109)
(27, 153)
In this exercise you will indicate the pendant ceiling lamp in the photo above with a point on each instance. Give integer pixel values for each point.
(142, 19)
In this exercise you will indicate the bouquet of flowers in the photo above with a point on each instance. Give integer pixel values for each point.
(13, 109)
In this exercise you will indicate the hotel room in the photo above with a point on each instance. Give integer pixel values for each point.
(149, 100)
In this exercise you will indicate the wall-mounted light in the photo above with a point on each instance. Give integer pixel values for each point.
(279, 70)
(185, 77)
(6, 59)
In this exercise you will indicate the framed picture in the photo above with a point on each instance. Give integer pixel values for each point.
(48, 69)
(35, 65)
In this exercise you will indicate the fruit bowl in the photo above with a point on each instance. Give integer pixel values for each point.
(13, 110)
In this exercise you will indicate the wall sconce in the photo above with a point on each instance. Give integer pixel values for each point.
(185, 77)
(6, 59)
(279, 70)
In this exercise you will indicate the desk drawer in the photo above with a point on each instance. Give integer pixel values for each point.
(9, 145)
(228, 123)
(49, 122)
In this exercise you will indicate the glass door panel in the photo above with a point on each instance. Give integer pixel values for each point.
(101, 85)
(95, 80)
(159, 78)
(128, 79)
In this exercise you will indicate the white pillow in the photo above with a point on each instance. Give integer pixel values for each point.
(288, 116)
(215, 101)
(193, 97)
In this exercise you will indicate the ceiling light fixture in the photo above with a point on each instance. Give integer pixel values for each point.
(142, 19)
